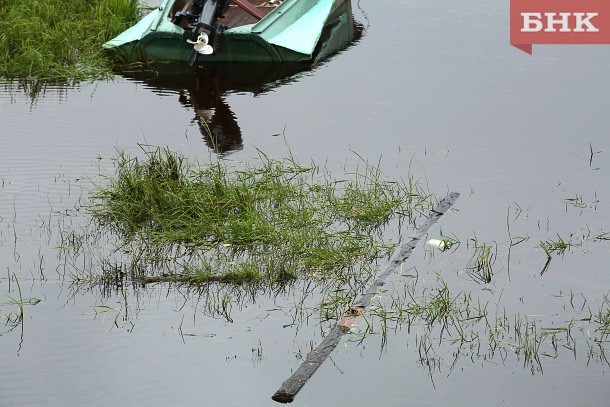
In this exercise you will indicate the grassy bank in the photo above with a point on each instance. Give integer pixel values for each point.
(56, 40)
(270, 222)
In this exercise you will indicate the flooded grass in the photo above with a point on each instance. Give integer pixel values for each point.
(602, 317)
(56, 40)
(479, 323)
(489, 335)
(449, 326)
(480, 265)
(225, 235)
(267, 223)
(558, 246)
(432, 306)
(16, 307)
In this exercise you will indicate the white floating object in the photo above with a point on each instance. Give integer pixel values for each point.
(439, 244)
(201, 45)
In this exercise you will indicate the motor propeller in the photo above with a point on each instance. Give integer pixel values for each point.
(202, 44)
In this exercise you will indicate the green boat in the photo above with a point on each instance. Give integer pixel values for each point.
(219, 31)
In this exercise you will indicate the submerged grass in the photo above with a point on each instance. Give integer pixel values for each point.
(558, 246)
(602, 317)
(270, 222)
(480, 265)
(15, 317)
(449, 326)
(58, 40)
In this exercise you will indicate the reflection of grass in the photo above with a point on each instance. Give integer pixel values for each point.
(271, 221)
(480, 265)
(56, 39)
(598, 344)
(603, 317)
(577, 202)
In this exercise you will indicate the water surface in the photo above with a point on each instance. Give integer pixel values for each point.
(431, 87)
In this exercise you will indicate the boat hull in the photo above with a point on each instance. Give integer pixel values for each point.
(155, 38)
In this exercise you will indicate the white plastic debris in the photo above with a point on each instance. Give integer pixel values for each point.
(439, 244)
(201, 45)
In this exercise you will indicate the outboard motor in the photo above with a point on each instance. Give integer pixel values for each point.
(203, 32)
(187, 13)
(182, 13)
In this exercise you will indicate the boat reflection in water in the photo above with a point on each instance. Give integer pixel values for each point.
(204, 88)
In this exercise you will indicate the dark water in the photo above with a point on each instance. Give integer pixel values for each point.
(431, 87)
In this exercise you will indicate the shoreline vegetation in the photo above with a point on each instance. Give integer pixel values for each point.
(58, 40)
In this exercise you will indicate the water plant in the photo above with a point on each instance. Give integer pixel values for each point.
(443, 314)
(480, 265)
(576, 202)
(268, 222)
(602, 236)
(15, 317)
(459, 325)
(602, 318)
(58, 40)
(558, 246)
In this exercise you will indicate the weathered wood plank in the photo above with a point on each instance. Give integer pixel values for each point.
(316, 357)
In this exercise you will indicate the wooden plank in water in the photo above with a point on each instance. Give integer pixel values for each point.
(314, 359)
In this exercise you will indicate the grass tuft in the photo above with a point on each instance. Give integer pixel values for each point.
(271, 222)
(58, 40)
